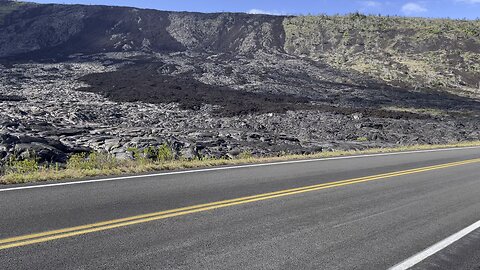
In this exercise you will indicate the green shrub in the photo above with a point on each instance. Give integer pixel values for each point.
(24, 166)
(92, 161)
(164, 153)
(362, 139)
(136, 153)
(245, 155)
(152, 154)
(142, 156)
(76, 161)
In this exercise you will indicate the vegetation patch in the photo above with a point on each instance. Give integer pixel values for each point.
(405, 52)
(426, 111)
(160, 159)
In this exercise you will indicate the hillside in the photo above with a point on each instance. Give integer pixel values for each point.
(409, 52)
(437, 53)
(77, 78)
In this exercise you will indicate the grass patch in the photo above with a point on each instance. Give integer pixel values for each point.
(428, 111)
(362, 139)
(420, 53)
(102, 164)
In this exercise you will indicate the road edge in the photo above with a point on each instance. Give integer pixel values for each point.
(424, 254)
(118, 178)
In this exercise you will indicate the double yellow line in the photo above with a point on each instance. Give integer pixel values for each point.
(117, 223)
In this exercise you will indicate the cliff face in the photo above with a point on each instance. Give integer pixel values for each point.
(60, 30)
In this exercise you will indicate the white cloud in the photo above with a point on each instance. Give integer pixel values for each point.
(414, 8)
(469, 1)
(371, 4)
(268, 12)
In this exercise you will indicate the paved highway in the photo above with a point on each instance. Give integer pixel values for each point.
(369, 212)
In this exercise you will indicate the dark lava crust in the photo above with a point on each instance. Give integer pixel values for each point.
(147, 83)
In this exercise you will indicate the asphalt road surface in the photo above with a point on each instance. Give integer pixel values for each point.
(370, 212)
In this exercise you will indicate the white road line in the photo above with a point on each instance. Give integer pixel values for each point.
(230, 168)
(412, 261)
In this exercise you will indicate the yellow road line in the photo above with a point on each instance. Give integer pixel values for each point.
(116, 223)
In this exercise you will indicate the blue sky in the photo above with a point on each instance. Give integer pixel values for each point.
(419, 8)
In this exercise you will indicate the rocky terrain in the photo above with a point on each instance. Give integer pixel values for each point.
(82, 78)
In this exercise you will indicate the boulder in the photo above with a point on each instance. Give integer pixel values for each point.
(7, 139)
(188, 153)
(3, 154)
(40, 151)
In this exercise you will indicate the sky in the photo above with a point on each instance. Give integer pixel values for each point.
(458, 9)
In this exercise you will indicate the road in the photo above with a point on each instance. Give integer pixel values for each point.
(369, 212)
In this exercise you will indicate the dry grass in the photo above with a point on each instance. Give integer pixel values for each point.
(427, 111)
(121, 167)
(419, 53)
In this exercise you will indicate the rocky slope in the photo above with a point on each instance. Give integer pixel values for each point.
(78, 78)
